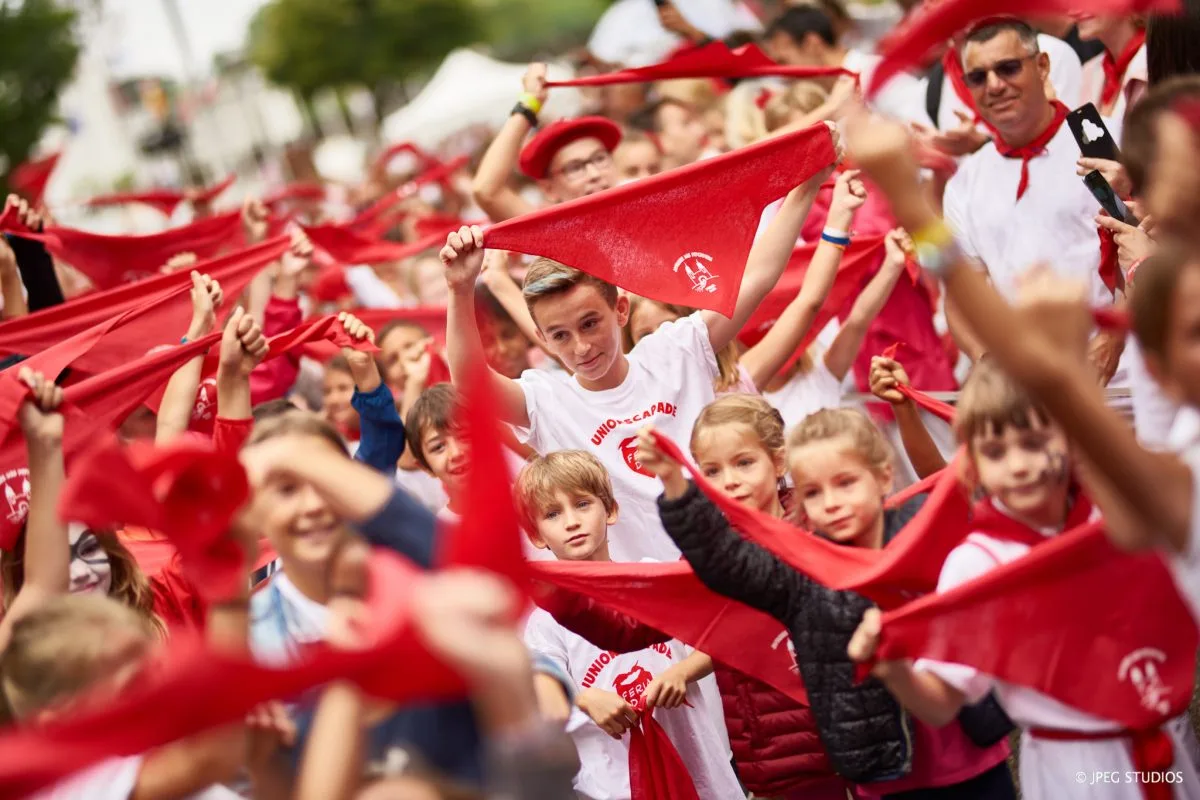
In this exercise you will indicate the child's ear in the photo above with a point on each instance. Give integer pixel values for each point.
(887, 479)
(614, 514)
(781, 466)
(536, 540)
(622, 309)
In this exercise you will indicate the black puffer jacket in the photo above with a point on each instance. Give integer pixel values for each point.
(866, 733)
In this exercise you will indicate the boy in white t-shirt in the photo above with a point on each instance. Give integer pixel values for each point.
(666, 380)
(566, 503)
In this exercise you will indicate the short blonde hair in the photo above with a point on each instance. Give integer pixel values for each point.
(296, 422)
(66, 646)
(570, 471)
(547, 277)
(867, 440)
(749, 410)
(991, 401)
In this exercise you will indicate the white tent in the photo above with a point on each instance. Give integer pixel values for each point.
(470, 89)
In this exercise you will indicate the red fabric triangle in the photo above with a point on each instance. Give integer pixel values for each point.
(99, 403)
(163, 200)
(656, 770)
(859, 261)
(109, 261)
(931, 25)
(909, 566)
(671, 599)
(206, 688)
(347, 247)
(1114, 68)
(489, 534)
(1035, 148)
(713, 60)
(30, 178)
(303, 191)
(44, 329)
(187, 488)
(679, 237)
(1047, 608)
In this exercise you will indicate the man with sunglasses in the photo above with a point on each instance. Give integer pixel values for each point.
(568, 158)
(1017, 201)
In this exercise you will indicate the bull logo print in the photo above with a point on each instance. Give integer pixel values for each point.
(1141, 669)
(632, 686)
(696, 269)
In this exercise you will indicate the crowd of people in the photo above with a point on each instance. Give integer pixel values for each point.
(570, 469)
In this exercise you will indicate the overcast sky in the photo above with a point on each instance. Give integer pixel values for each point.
(146, 46)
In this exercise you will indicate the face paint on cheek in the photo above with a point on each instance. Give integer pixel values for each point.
(1055, 470)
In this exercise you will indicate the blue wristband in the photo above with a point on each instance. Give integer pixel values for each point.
(840, 241)
(183, 340)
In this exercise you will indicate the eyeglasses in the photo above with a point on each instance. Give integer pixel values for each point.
(576, 171)
(1005, 70)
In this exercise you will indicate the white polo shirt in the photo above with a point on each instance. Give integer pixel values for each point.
(1054, 222)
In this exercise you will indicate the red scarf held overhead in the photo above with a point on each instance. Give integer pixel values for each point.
(713, 60)
(671, 599)
(931, 25)
(127, 335)
(347, 247)
(100, 403)
(682, 236)
(30, 178)
(43, 329)
(1115, 67)
(1035, 148)
(164, 201)
(302, 191)
(909, 565)
(109, 261)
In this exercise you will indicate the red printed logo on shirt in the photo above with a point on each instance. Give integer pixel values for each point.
(695, 267)
(632, 686)
(629, 453)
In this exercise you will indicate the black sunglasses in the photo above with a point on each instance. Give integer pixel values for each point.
(1005, 70)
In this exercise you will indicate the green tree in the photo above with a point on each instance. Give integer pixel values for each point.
(38, 53)
(310, 45)
(522, 30)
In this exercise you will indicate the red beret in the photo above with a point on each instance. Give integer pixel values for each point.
(536, 156)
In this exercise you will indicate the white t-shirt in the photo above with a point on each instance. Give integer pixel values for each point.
(902, 98)
(807, 394)
(1048, 768)
(670, 380)
(604, 761)
(630, 34)
(1153, 412)
(1054, 222)
(424, 488)
(115, 779)
(1066, 76)
(1093, 82)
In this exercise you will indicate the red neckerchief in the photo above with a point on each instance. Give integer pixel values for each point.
(1034, 148)
(1114, 68)
(991, 521)
(952, 66)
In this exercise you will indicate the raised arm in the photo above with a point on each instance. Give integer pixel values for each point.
(768, 258)
(47, 562)
(840, 356)
(768, 356)
(923, 453)
(725, 562)
(10, 283)
(1157, 487)
(463, 257)
(491, 185)
(179, 399)
(381, 441)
